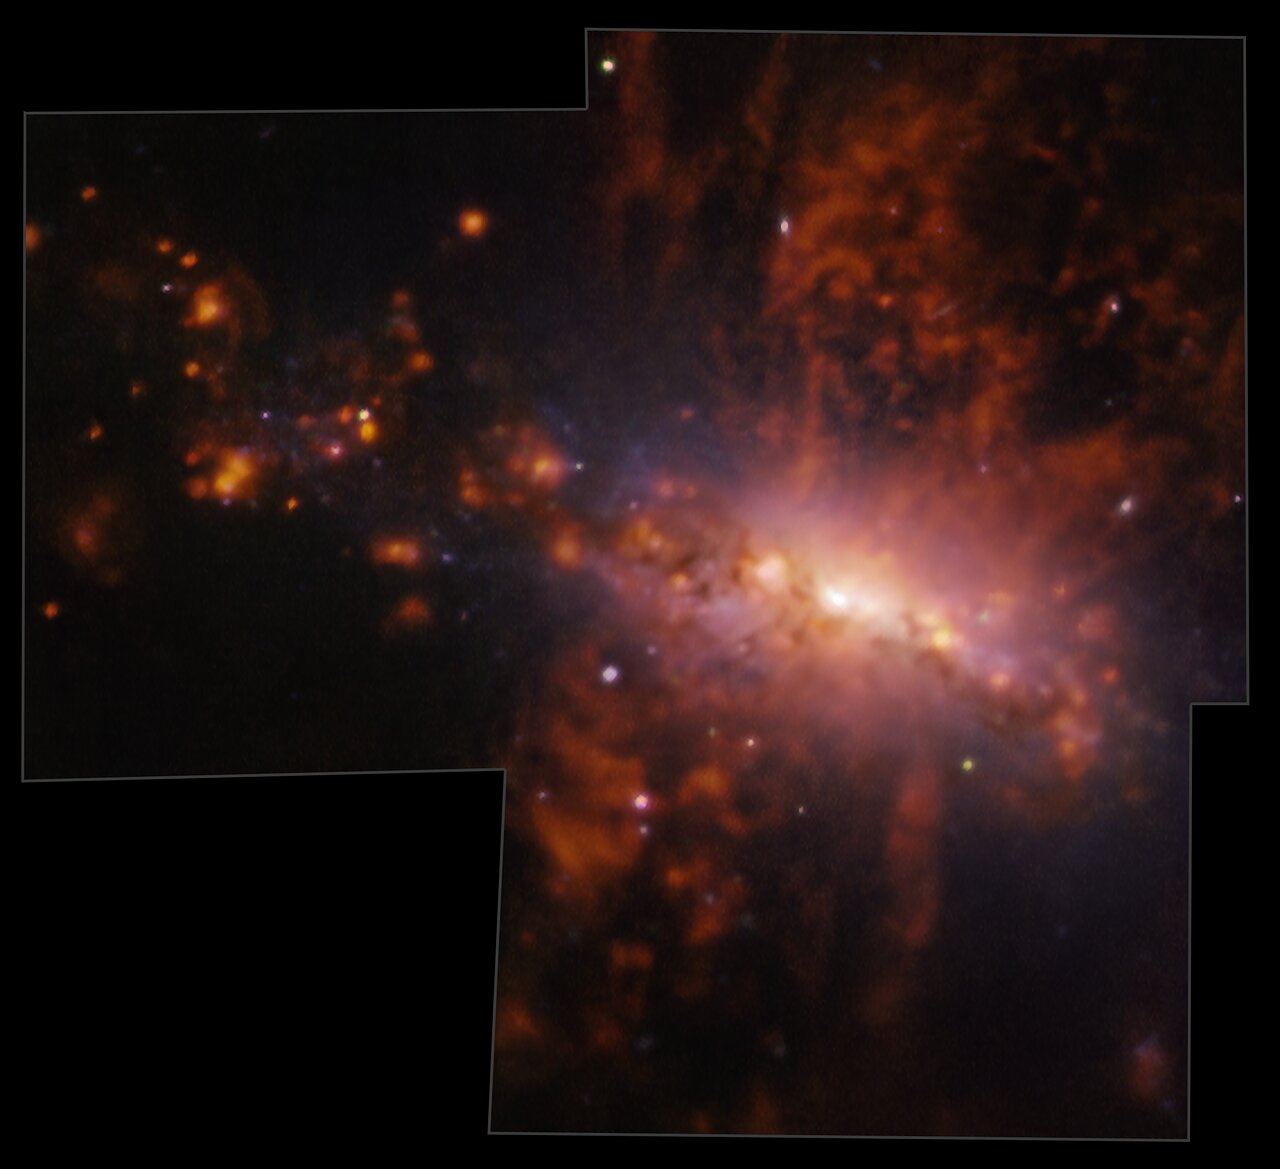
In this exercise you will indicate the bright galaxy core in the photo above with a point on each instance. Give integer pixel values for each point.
(815, 472)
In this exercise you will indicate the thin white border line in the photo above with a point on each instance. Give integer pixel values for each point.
(262, 774)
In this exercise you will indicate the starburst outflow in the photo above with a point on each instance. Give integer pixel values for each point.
(815, 472)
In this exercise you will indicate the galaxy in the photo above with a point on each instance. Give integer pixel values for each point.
(814, 472)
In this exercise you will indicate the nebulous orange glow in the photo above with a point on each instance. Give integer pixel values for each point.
(546, 470)
(33, 237)
(566, 546)
(405, 330)
(50, 609)
(420, 361)
(910, 859)
(189, 260)
(164, 245)
(368, 430)
(516, 1026)
(235, 474)
(399, 551)
(411, 612)
(192, 369)
(208, 306)
(473, 223)
(470, 489)
(98, 535)
(232, 477)
(88, 194)
(1148, 1069)
(528, 458)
